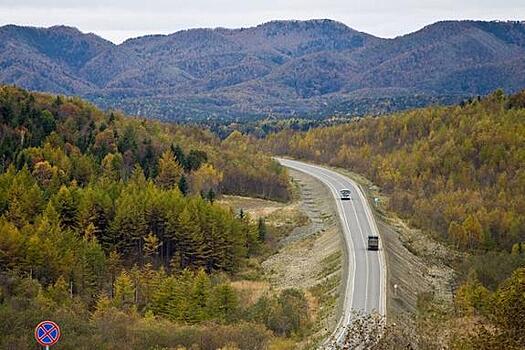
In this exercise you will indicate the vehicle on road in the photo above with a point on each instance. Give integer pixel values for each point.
(345, 194)
(373, 243)
(357, 224)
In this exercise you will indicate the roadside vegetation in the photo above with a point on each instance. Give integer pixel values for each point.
(457, 173)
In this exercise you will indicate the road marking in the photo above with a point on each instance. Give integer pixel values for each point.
(373, 227)
(362, 240)
(325, 176)
(382, 258)
(349, 292)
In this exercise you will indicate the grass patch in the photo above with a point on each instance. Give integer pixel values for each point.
(330, 264)
(327, 292)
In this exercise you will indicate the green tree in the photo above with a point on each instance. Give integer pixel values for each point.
(124, 291)
(262, 231)
(183, 185)
(224, 303)
(200, 294)
(66, 204)
(170, 171)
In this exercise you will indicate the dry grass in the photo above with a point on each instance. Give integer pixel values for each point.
(255, 207)
(251, 291)
(308, 257)
(290, 215)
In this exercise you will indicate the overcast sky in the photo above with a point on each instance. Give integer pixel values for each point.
(118, 20)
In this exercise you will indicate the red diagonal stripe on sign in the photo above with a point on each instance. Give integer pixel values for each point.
(47, 333)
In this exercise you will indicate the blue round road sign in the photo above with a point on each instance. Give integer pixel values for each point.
(47, 333)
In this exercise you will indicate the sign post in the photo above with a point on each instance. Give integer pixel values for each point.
(47, 333)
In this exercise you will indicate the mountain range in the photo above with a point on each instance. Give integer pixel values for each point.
(280, 68)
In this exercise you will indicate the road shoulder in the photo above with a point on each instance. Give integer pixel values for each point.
(312, 258)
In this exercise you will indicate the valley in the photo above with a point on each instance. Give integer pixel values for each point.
(289, 184)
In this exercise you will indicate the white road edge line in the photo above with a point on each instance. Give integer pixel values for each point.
(348, 295)
(382, 257)
(373, 227)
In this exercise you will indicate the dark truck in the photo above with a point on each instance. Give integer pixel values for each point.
(373, 243)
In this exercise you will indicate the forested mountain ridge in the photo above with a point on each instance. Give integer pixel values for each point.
(282, 68)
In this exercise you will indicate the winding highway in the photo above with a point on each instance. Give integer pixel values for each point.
(365, 281)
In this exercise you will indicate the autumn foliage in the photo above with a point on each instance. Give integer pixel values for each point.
(456, 171)
(109, 225)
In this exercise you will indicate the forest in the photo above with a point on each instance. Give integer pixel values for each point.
(109, 225)
(455, 171)
(458, 173)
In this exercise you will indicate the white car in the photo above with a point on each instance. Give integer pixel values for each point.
(345, 194)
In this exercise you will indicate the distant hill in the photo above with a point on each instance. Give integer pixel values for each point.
(281, 68)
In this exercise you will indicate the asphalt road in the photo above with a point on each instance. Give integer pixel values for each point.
(365, 281)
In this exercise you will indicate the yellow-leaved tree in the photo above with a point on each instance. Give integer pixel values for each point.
(204, 179)
(170, 170)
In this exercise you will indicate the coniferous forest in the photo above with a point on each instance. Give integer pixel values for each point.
(109, 226)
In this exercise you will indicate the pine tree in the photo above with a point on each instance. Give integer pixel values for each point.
(261, 230)
(114, 266)
(179, 155)
(59, 292)
(129, 227)
(67, 207)
(11, 245)
(224, 303)
(200, 294)
(124, 291)
(183, 185)
(170, 171)
(190, 244)
(179, 301)
(150, 281)
(91, 267)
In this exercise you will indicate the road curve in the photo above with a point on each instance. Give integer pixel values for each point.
(365, 283)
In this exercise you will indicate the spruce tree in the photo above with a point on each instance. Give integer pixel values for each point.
(261, 230)
(183, 185)
(200, 294)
